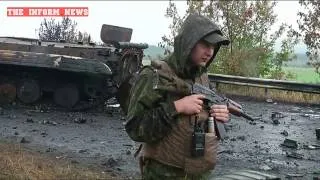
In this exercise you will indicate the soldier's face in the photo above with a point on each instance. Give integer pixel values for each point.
(202, 53)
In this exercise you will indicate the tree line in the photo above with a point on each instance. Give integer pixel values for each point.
(64, 30)
(248, 25)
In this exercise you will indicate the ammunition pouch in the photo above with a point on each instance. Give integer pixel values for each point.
(208, 162)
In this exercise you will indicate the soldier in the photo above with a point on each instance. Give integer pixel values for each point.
(164, 122)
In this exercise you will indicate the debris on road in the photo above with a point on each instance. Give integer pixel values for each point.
(265, 168)
(48, 122)
(12, 116)
(29, 120)
(110, 163)
(295, 109)
(294, 155)
(83, 151)
(318, 133)
(275, 121)
(277, 115)
(290, 143)
(311, 147)
(227, 151)
(294, 175)
(23, 140)
(311, 116)
(285, 133)
(242, 138)
(43, 134)
(269, 100)
(80, 120)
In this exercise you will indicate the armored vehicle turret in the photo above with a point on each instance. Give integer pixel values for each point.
(74, 75)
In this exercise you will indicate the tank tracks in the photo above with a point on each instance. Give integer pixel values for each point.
(76, 95)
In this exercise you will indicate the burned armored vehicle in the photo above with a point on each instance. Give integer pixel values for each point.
(72, 75)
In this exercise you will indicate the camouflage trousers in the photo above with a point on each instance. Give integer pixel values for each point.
(154, 170)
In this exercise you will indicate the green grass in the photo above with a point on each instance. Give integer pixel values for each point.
(306, 75)
(274, 94)
(302, 74)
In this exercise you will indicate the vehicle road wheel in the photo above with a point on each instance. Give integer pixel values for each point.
(92, 90)
(8, 93)
(28, 91)
(66, 96)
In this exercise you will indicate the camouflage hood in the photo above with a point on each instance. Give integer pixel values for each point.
(195, 28)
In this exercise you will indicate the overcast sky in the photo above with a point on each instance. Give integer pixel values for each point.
(146, 18)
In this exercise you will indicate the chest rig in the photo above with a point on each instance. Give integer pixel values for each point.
(187, 146)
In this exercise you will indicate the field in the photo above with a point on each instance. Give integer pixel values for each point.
(304, 74)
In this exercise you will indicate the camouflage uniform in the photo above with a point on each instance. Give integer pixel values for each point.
(158, 171)
(151, 114)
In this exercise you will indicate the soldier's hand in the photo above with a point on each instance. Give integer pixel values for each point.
(220, 113)
(189, 105)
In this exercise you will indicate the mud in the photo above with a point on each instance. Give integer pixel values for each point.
(259, 146)
(98, 139)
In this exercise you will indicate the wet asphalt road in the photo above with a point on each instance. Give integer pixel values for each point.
(258, 145)
(98, 138)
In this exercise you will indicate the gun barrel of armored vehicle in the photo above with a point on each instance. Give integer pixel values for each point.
(122, 45)
(119, 37)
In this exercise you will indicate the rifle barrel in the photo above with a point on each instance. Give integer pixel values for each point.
(247, 116)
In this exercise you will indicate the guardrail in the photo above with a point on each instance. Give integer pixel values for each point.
(265, 83)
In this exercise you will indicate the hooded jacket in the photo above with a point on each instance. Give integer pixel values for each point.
(194, 28)
(152, 117)
(152, 114)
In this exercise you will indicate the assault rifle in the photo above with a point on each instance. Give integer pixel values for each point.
(211, 98)
(176, 85)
